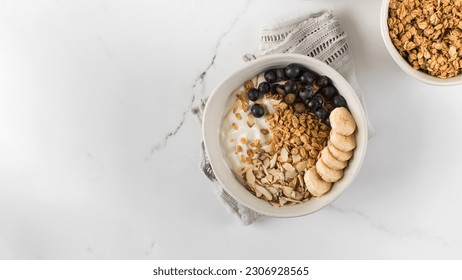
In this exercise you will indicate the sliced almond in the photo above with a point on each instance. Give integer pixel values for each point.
(293, 200)
(250, 177)
(288, 167)
(264, 192)
(257, 193)
(293, 183)
(273, 161)
(287, 191)
(296, 159)
(291, 174)
(284, 155)
(275, 204)
(277, 186)
(297, 195)
(259, 173)
(282, 201)
(272, 190)
(301, 181)
(301, 166)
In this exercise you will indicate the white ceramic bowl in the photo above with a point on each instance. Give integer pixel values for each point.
(214, 114)
(421, 76)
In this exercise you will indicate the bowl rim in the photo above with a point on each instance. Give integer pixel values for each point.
(402, 63)
(212, 138)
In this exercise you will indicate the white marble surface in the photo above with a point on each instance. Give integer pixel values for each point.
(99, 151)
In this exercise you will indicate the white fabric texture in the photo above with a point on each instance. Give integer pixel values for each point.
(318, 36)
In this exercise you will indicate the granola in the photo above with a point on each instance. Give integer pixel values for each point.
(428, 34)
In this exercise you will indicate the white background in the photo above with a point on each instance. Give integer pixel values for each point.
(99, 152)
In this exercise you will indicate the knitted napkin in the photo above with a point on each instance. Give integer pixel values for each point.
(319, 36)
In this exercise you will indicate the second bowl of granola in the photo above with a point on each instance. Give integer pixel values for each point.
(424, 38)
(285, 135)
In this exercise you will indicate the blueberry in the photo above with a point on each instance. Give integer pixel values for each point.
(306, 93)
(321, 113)
(323, 81)
(339, 101)
(281, 74)
(327, 121)
(307, 78)
(264, 87)
(329, 92)
(318, 99)
(254, 94)
(290, 86)
(270, 76)
(293, 70)
(312, 105)
(257, 110)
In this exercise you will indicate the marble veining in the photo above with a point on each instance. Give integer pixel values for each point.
(199, 81)
(93, 254)
(201, 77)
(163, 143)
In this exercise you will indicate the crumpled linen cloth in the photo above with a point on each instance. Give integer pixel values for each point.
(317, 35)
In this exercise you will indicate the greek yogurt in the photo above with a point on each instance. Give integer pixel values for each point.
(240, 129)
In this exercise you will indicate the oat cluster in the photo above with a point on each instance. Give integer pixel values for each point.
(428, 34)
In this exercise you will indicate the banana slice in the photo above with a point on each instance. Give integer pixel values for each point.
(342, 121)
(330, 161)
(340, 155)
(315, 184)
(342, 142)
(327, 174)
